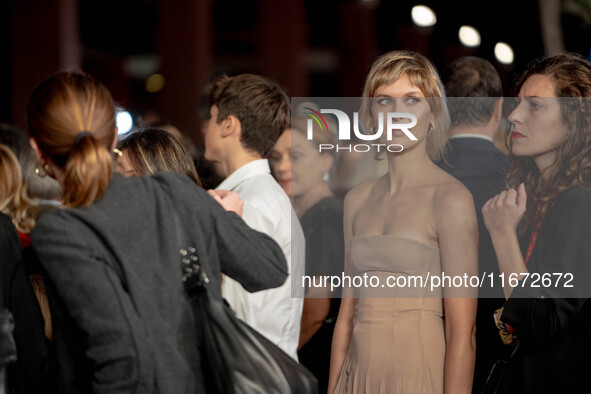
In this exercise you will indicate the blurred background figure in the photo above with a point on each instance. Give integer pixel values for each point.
(152, 151)
(209, 173)
(303, 173)
(24, 290)
(14, 200)
(45, 190)
(475, 105)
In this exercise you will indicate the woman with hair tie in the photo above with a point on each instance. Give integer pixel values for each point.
(415, 220)
(548, 311)
(122, 321)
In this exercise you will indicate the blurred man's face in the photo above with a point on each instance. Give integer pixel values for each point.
(213, 136)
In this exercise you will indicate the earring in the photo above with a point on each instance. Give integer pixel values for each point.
(118, 153)
(325, 177)
(41, 172)
(430, 129)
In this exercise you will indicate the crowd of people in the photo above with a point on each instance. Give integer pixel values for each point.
(95, 231)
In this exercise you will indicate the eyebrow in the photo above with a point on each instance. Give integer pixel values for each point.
(414, 93)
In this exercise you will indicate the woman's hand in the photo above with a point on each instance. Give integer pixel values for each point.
(501, 215)
(228, 199)
(503, 212)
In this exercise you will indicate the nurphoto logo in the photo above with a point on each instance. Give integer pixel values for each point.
(344, 130)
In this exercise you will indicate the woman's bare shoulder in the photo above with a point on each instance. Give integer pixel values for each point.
(452, 197)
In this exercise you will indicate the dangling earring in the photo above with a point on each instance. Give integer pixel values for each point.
(430, 129)
(41, 172)
(325, 177)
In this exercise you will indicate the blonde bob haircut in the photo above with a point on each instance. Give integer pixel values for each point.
(14, 200)
(390, 67)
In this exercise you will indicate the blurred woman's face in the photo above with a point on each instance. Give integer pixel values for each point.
(538, 128)
(125, 167)
(401, 96)
(297, 164)
(280, 160)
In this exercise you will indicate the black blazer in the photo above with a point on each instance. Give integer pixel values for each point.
(122, 321)
(481, 167)
(554, 323)
(10, 268)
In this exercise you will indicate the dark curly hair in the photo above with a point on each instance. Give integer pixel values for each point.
(571, 75)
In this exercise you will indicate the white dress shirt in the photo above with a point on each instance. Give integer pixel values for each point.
(275, 313)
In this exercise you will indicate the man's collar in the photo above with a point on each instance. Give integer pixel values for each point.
(471, 135)
(249, 170)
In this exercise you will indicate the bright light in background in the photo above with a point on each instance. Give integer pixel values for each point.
(423, 16)
(124, 122)
(504, 53)
(154, 83)
(469, 36)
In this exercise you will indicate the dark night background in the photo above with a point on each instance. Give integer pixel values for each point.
(312, 48)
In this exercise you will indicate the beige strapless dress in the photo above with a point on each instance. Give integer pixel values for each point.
(398, 343)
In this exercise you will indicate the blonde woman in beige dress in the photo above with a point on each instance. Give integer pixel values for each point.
(416, 219)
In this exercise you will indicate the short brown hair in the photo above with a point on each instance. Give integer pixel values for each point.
(152, 151)
(476, 78)
(390, 67)
(60, 108)
(260, 105)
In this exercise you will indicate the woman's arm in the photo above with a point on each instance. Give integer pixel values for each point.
(501, 215)
(315, 312)
(457, 230)
(246, 255)
(343, 331)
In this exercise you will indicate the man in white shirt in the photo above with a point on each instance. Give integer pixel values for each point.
(248, 114)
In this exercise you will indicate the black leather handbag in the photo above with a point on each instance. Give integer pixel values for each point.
(495, 377)
(235, 357)
(496, 374)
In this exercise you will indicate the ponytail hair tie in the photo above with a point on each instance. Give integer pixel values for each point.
(81, 135)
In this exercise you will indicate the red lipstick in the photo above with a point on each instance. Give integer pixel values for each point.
(517, 134)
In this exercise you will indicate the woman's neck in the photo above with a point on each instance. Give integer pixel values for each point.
(406, 169)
